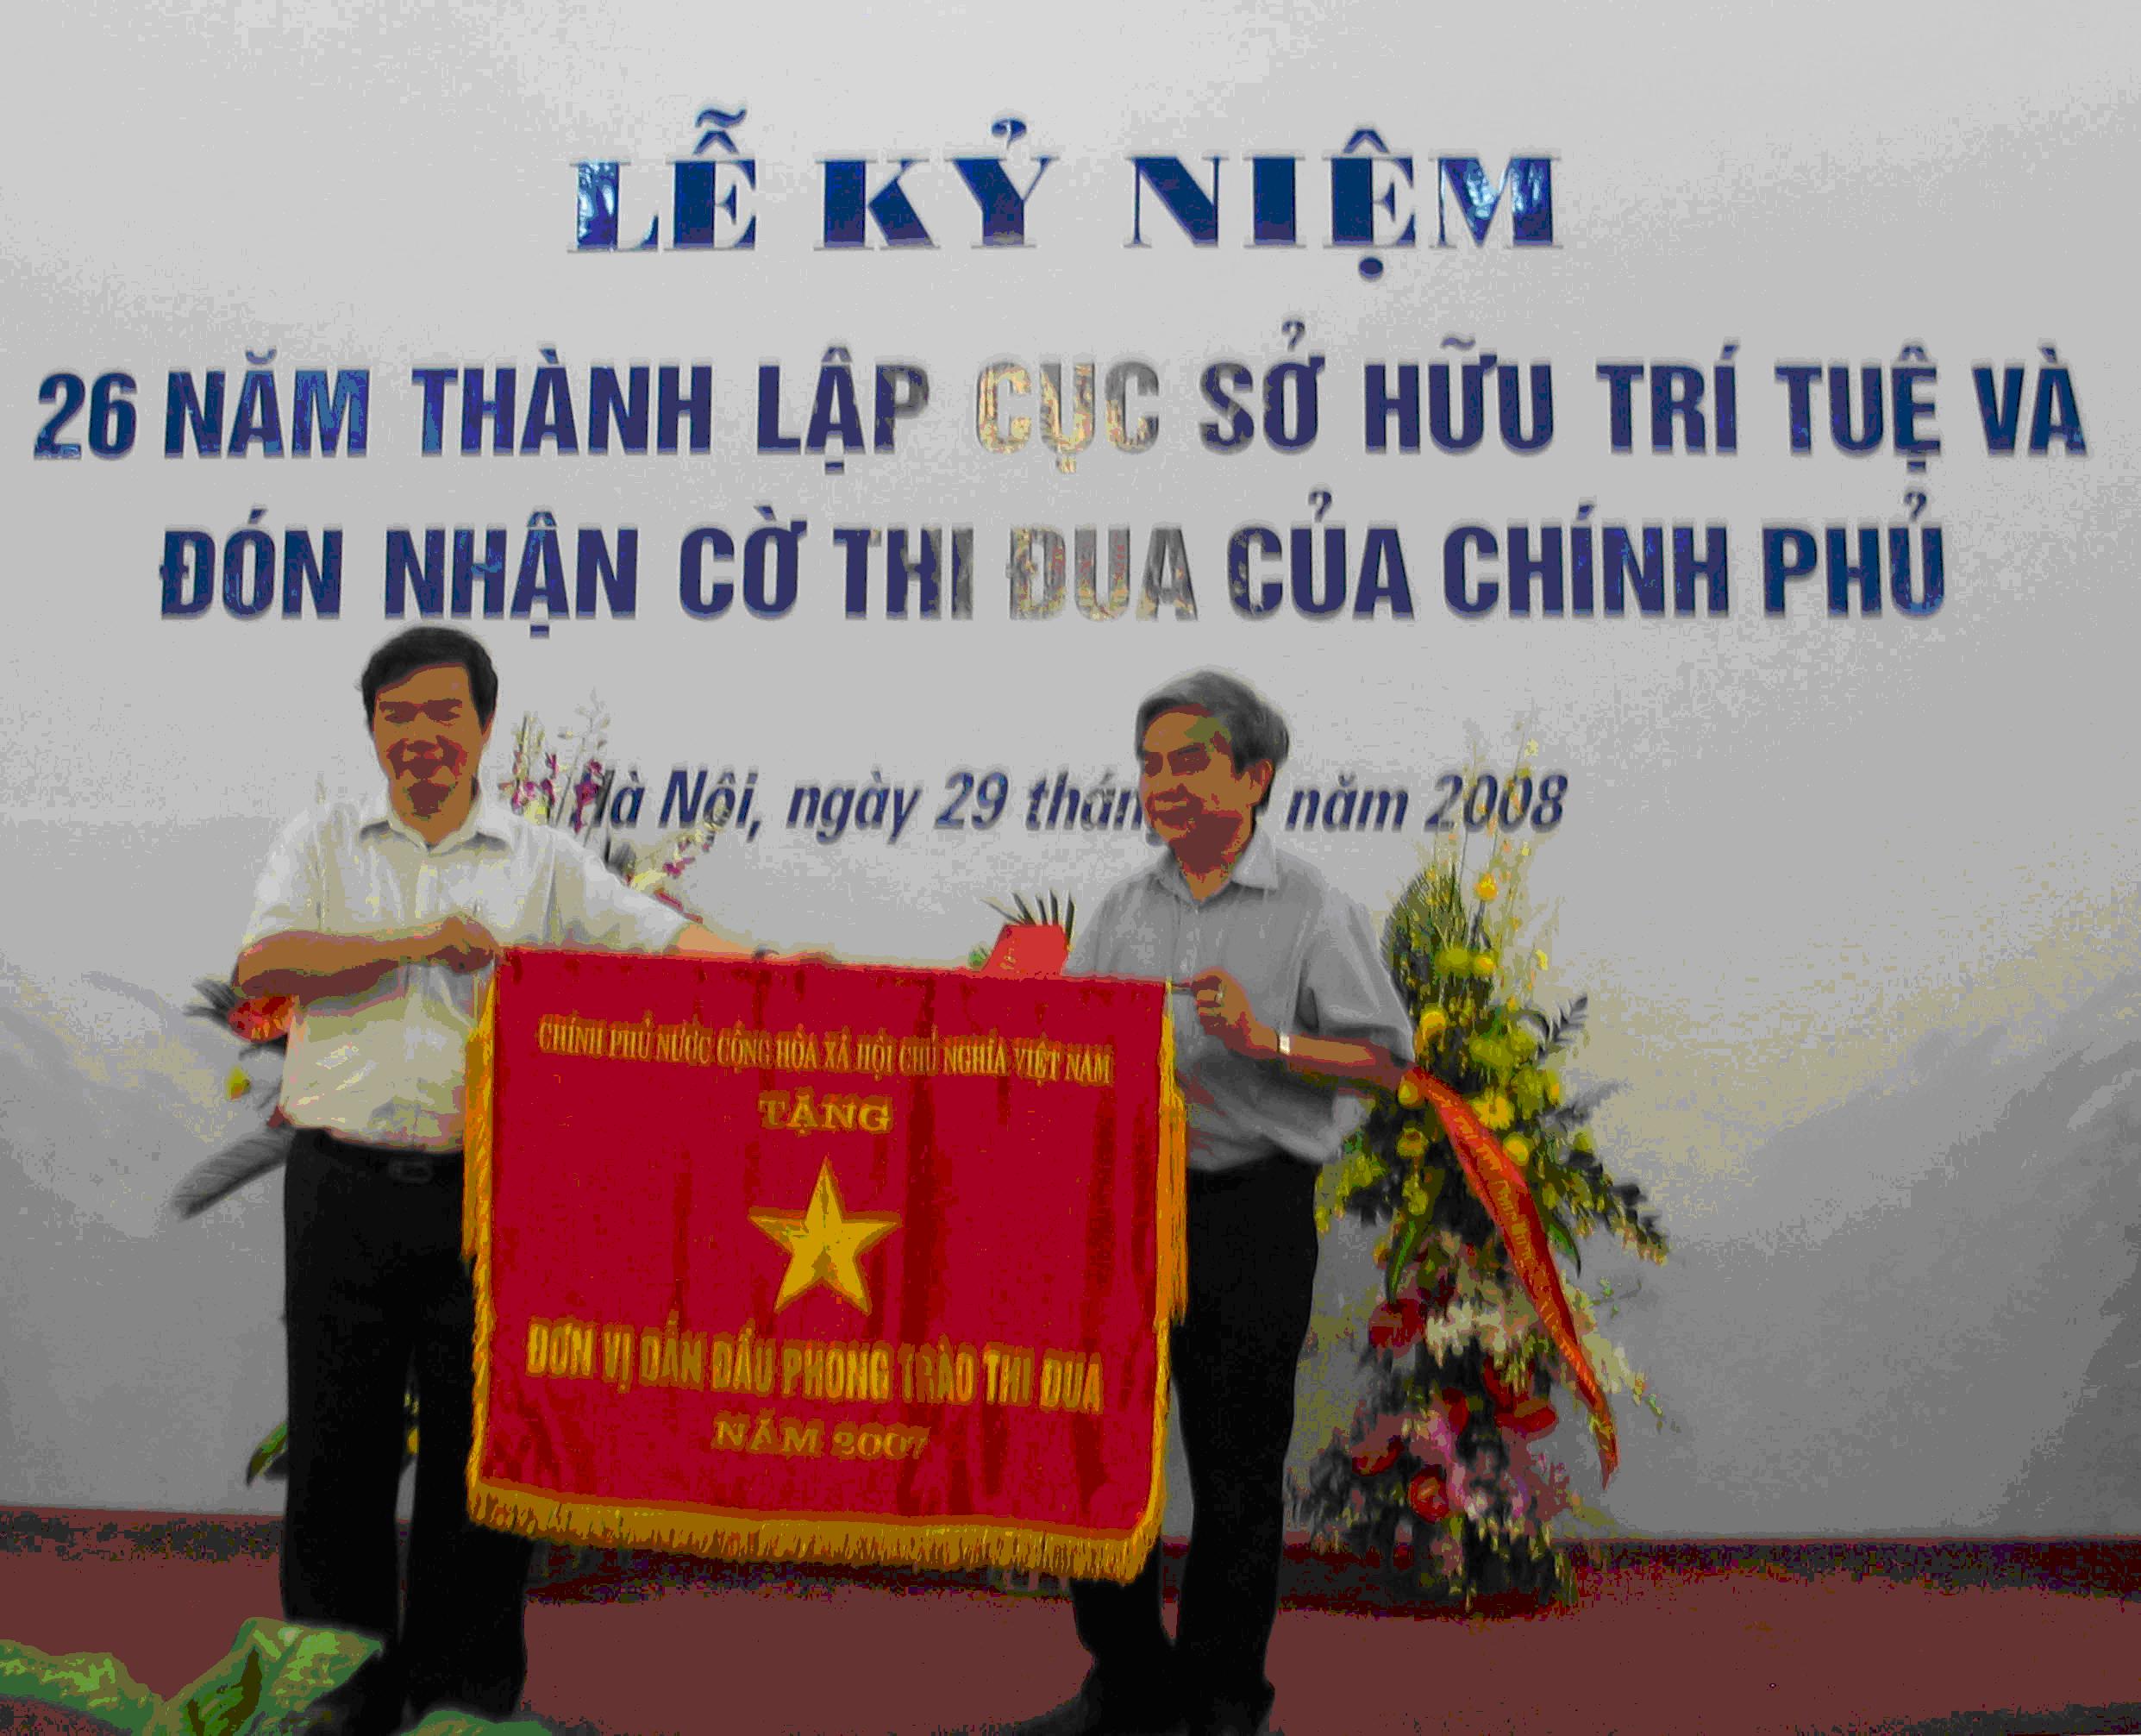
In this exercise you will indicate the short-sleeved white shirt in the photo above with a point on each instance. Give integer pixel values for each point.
(1306, 956)
(387, 1065)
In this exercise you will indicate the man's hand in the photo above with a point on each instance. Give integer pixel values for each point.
(696, 941)
(1224, 1010)
(314, 966)
(459, 942)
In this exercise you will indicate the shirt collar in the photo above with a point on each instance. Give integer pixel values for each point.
(1255, 868)
(486, 819)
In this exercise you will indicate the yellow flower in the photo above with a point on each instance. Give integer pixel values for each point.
(1495, 1110)
(1553, 1088)
(1432, 1023)
(1538, 957)
(1412, 1144)
(238, 1084)
(1409, 1094)
(1483, 964)
(1517, 1147)
(1485, 889)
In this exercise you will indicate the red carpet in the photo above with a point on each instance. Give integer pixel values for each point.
(1972, 1639)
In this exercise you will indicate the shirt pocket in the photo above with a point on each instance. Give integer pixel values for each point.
(513, 911)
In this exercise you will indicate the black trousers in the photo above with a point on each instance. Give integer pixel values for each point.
(375, 1292)
(1252, 1271)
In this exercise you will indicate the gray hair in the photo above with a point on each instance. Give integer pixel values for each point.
(1250, 724)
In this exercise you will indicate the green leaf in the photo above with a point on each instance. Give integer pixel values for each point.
(273, 1445)
(227, 1710)
(218, 1177)
(1557, 1233)
(1403, 1250)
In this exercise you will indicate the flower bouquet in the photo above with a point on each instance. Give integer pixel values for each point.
(1472, 1336)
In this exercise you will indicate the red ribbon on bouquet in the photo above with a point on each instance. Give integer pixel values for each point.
(1498, 1185)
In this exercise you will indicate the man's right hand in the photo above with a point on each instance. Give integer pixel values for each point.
(459, 943)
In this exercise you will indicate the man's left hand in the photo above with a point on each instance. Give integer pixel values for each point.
(1222, 1008)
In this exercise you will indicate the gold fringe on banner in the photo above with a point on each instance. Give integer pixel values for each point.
(1170, 1297)
(946, 1545)
(478, 1151)
(1171, 1205)
(477, 1097)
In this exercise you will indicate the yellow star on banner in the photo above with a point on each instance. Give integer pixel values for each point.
(825, 1244)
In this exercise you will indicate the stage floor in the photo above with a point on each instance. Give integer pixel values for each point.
(1976, 1638)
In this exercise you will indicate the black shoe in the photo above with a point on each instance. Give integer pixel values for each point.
(1088, 1713)
(1227, 1718)
(368, 1704)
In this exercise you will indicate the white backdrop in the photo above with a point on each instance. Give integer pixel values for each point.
(1851, 897)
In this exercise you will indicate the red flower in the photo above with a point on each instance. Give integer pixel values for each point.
(1374, 1461)
(1428, 1496)
(265, 1019)
(1500, 1388)
(1530, 1418)
(1398, 1327)
(1459, 1407)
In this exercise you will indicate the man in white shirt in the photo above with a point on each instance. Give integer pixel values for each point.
(382, 919)
(1290, 1000)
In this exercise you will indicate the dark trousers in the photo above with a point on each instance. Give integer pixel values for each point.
(375, 1292)
(1252, 1271)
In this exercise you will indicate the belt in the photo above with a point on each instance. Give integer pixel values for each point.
(395, 1163)
(1247, 1174)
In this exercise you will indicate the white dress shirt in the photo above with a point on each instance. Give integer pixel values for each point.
(386, 1065)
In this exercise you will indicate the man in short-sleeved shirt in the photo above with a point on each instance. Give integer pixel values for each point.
(383, 1062)
(382, 919)
(1287, 997)
(1307, 958)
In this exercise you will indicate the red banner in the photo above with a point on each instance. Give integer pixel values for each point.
(792, 1261)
